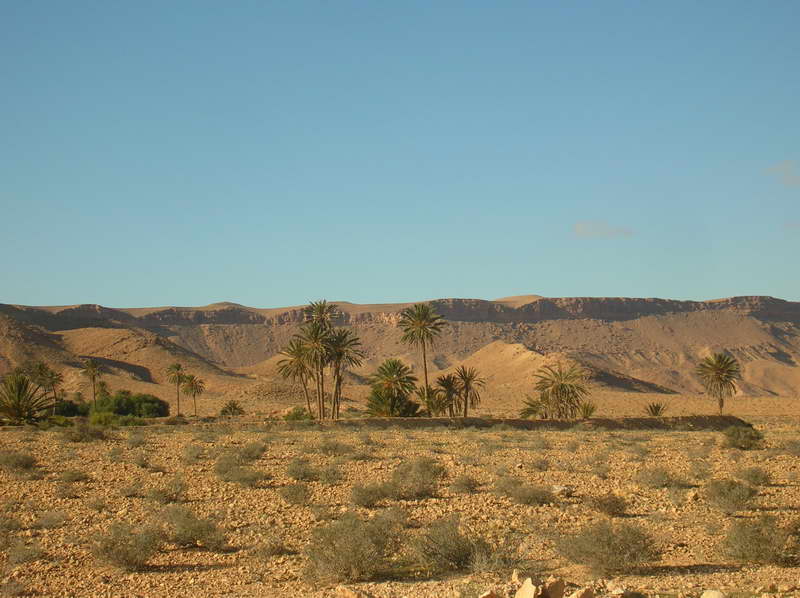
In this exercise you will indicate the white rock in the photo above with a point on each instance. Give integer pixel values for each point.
(713, 594)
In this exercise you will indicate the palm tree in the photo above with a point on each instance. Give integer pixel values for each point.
(315, 337)
(421, 325)
(94, 371)
(433, 399)
(561, 390)
(52, 381)
(296, 366)
(176, 375)
(719, 373)
(345, 352)
(448, 387)
(394, 377)
(469, 385)
(321, 312)
(21, 399)
(103, 390)
(392, 384)
(193, 386)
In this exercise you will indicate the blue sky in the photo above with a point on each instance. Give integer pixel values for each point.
(268, 153)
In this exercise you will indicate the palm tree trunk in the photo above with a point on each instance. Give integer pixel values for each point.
(194, 398)
(425, 363)
(178, 395)
(322, 387)
(94, 391)
(466, 403)
(304, 382)
(721, 404)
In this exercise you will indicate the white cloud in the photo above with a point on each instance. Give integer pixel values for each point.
(598, 229)
(787, 171)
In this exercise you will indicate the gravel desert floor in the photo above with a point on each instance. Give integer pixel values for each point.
(261, 495)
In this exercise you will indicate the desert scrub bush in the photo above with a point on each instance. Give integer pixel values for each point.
(298, 414)
(699, 470)
(330, 475)
(9, 523)
(540, 464)
(252, 451)
(17, 462)
(270, 546)
(367, 495)
(65, 491)
(128, 547)
(131, 490)
(188, 530)
(18, 552)
(102, 419)
(301, 469)
(50, 520)
(231, 408)
(587, 409)
(141, 460)
(13, 588)
(227, 469)
(755, 476)
(442, 547)
(414, 479)
(97, 504)
(82, 432)
(756, 541)
(521, 493)
(71, 476)
(191, 454)
(464, 484)
(348, 550)
(174, 490)
(657, 477)
(334, 448)
(295, 494)
(609, 504)
(136, 439)
(608, 547)
(742, 438)
(729, 496)
(791, 447)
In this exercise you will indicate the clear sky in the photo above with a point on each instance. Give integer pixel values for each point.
(268, 153)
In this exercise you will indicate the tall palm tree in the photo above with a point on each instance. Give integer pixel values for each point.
(321, 312)
(194, 387)
(94, 371)
(719, 373)
(449, 388)
(21, 399)
(315, 337)
(296, 366)
(176, 375)
(561, 390)
(344, 353)
(421, 325)
(52, 381)
(469, 385)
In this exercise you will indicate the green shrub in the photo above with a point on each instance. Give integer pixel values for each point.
(348, 550)
(442, 547)
(522, 493)
(655, 409)
(231, 408)
(298, 414)
(368, 495)
(301, 469)
(176, 420)
(587, 409)
(755, 476)
(252, 452)
(743, 438)
(609, 504)
(128, 421)
(609, 547)
(464, 484)
(729, 496)
(69, 408)
(296, 494)
(16, 461)
(123, 402)
(187, 529)
(174, 490)
(756, 541)
(102, 418)
(128, 547)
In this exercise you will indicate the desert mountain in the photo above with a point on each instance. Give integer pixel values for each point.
(629, 345)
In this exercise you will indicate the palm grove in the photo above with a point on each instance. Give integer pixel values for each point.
(319, 357)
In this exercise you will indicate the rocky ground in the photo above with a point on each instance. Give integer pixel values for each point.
(60, 516)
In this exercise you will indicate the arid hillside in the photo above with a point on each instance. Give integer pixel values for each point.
(630, 345)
